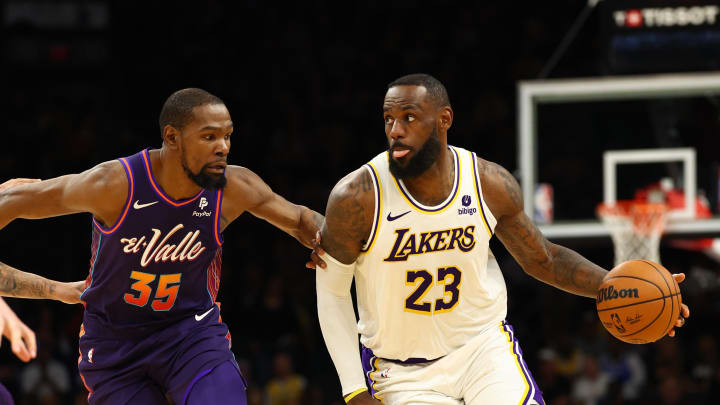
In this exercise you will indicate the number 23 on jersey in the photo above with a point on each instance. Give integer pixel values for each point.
(449, 277)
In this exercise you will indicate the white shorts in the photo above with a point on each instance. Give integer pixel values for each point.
(489, 369)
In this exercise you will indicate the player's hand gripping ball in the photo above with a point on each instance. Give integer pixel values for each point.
(639, 301)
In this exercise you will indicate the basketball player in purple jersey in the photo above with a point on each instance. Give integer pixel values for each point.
(151, 326)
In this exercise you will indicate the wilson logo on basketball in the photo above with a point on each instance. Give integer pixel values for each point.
(610, 293)
(186, 250)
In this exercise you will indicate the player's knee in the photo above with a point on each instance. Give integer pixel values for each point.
(224, 384)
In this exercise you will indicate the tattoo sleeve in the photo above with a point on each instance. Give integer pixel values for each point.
(348, 218)
(550, 263)
(553, 264)
(16, 283)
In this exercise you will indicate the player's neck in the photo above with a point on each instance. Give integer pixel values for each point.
(436, 183)
(171, 176)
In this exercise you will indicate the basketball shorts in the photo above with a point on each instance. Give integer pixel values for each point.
(5, 397)
(135, 367)
(489, 369)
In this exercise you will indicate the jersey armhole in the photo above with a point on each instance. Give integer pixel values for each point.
(216, 227)
(378, 208)
(131, 190)
(487, 216)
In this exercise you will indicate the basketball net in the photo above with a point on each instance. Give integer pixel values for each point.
(635, 228)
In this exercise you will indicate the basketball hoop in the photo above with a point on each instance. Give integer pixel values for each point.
(635, 227)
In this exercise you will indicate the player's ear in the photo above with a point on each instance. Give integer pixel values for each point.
(445, 119)
(170, 136)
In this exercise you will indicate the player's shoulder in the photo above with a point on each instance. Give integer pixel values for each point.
(349, 215)
(241, 178)
(108, 177)
(239, 173)
(491, 171)
(355, 186)
(244, 189)
(101, 190)
(500, 189)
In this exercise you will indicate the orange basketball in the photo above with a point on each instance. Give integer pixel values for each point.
(638, 301)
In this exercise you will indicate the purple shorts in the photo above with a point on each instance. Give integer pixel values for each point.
(125, 364)
(5, 397)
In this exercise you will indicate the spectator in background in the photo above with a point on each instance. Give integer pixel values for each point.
(286, 387)
(668, 358)
(255, 396)
(704, 370)
(45, 381)
(592, 384)
(556, 386)
(671, 390)
(624, 367)
(569, 359)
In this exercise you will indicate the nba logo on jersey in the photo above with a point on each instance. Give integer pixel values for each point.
(90, 354)
(203, 203)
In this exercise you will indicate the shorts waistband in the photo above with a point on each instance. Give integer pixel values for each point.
(413, 360)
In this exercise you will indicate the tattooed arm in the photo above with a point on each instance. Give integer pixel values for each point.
(550, 263)
(348, 220)
(16, 283)
(349, 216)
(31, 198)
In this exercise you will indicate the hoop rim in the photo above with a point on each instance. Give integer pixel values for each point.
(630, 208)
(646, 218)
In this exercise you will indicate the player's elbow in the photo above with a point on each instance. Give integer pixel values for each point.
(543, 264)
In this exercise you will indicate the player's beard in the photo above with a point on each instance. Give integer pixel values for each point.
(425, 157)
(202, 179)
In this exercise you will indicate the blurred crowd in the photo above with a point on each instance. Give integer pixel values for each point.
(304, 84)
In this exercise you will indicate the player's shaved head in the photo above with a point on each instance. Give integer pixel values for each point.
(436, 92)
(178, 108)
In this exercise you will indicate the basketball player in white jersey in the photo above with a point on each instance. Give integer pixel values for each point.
(412, 227)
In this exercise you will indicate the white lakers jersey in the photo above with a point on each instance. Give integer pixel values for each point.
(426, 280)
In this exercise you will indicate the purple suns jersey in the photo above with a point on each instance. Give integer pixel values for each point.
(159, 263)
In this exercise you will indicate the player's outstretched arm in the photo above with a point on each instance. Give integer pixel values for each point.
(348, 220)
(20, 336)
(100, 191)
(16, 182)
(246, 191)
(550, 263)
(553, 264)
(19, 284)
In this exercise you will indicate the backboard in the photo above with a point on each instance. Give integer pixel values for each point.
(652, 126)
